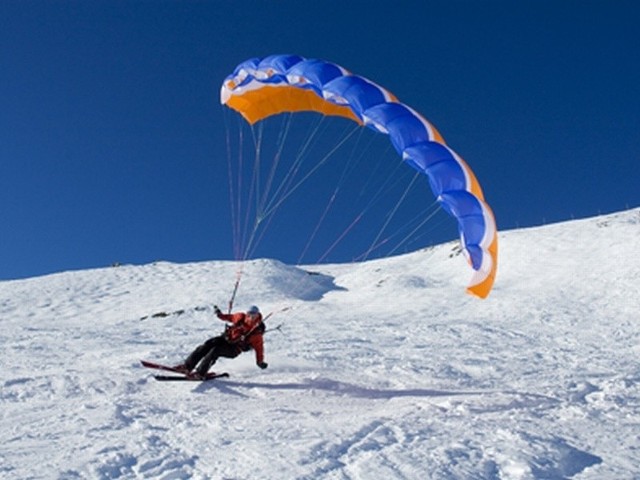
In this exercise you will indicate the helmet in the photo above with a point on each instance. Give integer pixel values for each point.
(253, 310)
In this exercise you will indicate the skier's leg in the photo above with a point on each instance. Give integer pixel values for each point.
(222, 348)
(200, 352)
(208, 360)
(226, 349)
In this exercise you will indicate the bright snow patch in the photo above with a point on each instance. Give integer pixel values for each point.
(384, 369)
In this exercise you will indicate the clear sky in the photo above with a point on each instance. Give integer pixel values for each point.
(112, 139)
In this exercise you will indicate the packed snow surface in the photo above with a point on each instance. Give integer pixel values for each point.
(380, 370)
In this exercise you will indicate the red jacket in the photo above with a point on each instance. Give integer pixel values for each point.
(246, 332)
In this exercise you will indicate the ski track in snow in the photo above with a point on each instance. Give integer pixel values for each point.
(384, 369)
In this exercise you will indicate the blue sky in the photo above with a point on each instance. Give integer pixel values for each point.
(113, 142)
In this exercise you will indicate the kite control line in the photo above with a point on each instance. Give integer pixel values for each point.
(235, 290)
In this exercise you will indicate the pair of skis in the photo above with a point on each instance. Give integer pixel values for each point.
(183, 377)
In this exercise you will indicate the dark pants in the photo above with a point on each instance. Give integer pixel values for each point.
(207, 354)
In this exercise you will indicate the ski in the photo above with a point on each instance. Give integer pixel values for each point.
(185, 378)
(157, 366)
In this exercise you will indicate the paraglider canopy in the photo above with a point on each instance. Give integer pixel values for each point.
(259, 88)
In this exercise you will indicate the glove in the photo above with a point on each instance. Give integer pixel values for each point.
(216, 310)
(263, 365)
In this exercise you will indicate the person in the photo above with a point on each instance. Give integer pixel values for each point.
(244, 333)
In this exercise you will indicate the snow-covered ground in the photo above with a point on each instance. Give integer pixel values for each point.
(381, 370)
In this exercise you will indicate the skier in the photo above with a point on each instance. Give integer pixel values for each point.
(243, 334)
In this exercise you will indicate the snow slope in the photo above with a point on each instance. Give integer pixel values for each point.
(384, 369)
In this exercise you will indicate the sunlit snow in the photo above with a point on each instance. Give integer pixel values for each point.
(380, 370)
